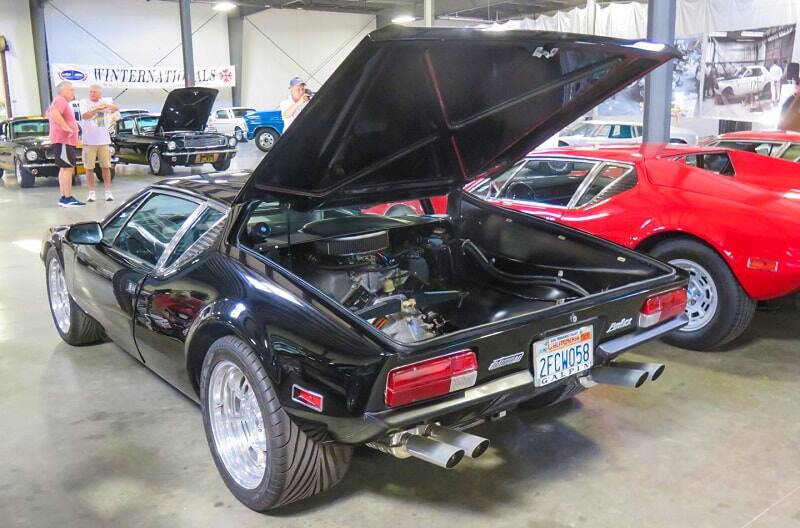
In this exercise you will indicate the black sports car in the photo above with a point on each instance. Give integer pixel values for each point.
(25, 150)
(305, 327)
(176, 137)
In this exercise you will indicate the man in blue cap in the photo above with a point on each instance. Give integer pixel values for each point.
(294, 104)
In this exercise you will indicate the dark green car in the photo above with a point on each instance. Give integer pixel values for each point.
(26, 152)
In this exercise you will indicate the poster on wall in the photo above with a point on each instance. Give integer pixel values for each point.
(744, 73)
(686, 82)
(83, 76)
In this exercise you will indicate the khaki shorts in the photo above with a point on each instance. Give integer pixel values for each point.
(95, 153)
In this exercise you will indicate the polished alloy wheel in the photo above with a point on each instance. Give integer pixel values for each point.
(59, 296)
(266, 140)
(18, 172)
(703, 295)
(155, 162)
(237, 424)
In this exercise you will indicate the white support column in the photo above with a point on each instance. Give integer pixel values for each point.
(428, 12)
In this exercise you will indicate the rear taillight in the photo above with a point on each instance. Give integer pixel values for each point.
(662, 307)
(431, 378)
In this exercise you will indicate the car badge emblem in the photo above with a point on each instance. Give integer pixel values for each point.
(573, 318)
(506, 360)
(619, 325)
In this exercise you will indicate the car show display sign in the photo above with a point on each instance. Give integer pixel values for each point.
(744, 76)
(83, 75)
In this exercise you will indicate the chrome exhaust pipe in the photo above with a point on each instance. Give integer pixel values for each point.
(654, 370)
(473, 446)
(614, 375)
(437, 453)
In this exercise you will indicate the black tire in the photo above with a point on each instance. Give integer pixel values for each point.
(297, 465)
(734, 308)
(222, 165)
(240, 136)
(263, 141)
(158, 167)
(83, 330)
(24, 177)
(98, 172)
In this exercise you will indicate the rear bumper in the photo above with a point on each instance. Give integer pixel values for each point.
(482, 400)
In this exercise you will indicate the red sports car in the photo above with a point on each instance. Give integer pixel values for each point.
(783, 144)
(731, 218)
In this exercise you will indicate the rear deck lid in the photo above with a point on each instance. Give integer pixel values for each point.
(187, 109)
(418, 112)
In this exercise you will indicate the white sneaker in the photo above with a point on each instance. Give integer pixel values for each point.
(109, 197)
(91, 197)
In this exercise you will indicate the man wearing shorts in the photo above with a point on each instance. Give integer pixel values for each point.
(96, 139)
(64, 139)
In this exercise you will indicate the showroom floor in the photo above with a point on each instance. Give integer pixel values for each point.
(91, 438)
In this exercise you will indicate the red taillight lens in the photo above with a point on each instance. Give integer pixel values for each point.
(662, 307)
(431, 378)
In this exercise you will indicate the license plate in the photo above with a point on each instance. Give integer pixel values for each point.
(206, 158)
(563, 355)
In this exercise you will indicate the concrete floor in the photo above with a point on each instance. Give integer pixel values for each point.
(90, 438)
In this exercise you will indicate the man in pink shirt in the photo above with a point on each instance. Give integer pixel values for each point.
(64, 140)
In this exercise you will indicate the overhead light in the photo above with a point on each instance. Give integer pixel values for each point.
(403, 19)
(753, 34)
(718, 34)
(224, 6)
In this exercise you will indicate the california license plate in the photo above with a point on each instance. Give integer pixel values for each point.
(563, 355)
(206, 158)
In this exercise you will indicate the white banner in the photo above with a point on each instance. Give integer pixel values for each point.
(83, 75)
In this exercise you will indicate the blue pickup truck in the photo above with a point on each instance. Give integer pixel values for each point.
(264, 128)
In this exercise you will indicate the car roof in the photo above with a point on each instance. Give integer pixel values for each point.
(763, 135)
(625, 153)
(220, 187)
(25, 118)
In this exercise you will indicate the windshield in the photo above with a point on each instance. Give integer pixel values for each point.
(241, 112)
(32, 128)
(147, 125)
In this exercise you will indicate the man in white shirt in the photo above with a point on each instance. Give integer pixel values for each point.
(96, 140)
(294, 104)
(775, 75)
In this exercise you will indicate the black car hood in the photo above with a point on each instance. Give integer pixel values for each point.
(415, 112)
(32, 141)
(186, 109)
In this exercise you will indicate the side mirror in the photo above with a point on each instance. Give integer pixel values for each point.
(88, 233)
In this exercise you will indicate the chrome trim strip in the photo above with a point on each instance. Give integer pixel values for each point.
(200, 152)
(616, 346)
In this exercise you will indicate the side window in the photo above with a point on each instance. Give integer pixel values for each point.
(152, 226)
(198, 238)
(111, 229)
(718, 162)
(621, 132)
(125, 126)
(551, 182)
(222, 114)
(766, 149)
(610, 181)
(4, 129)
(603, 131)
(792, 153)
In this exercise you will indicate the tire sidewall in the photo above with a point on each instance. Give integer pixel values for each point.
(728, 289)
(236, 351)
(160, 171)
(260, 134)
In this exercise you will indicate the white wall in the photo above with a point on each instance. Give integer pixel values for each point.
(135, 32)
(15, 25)
(283, 43)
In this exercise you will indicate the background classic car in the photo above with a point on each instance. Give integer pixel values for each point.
(605, 132)
(264, 127)
(230, 121)
(25, 151)
(322, 328)
(783, 144)
(676, 202)
(176, 137)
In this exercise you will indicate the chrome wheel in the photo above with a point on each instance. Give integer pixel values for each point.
(266, 140)
(155, 162)
(18, 172)
(237, 425)
(59, 296)
(703, 295)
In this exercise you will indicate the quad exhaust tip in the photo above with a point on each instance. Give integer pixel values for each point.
(440, 446)
(626, 373)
